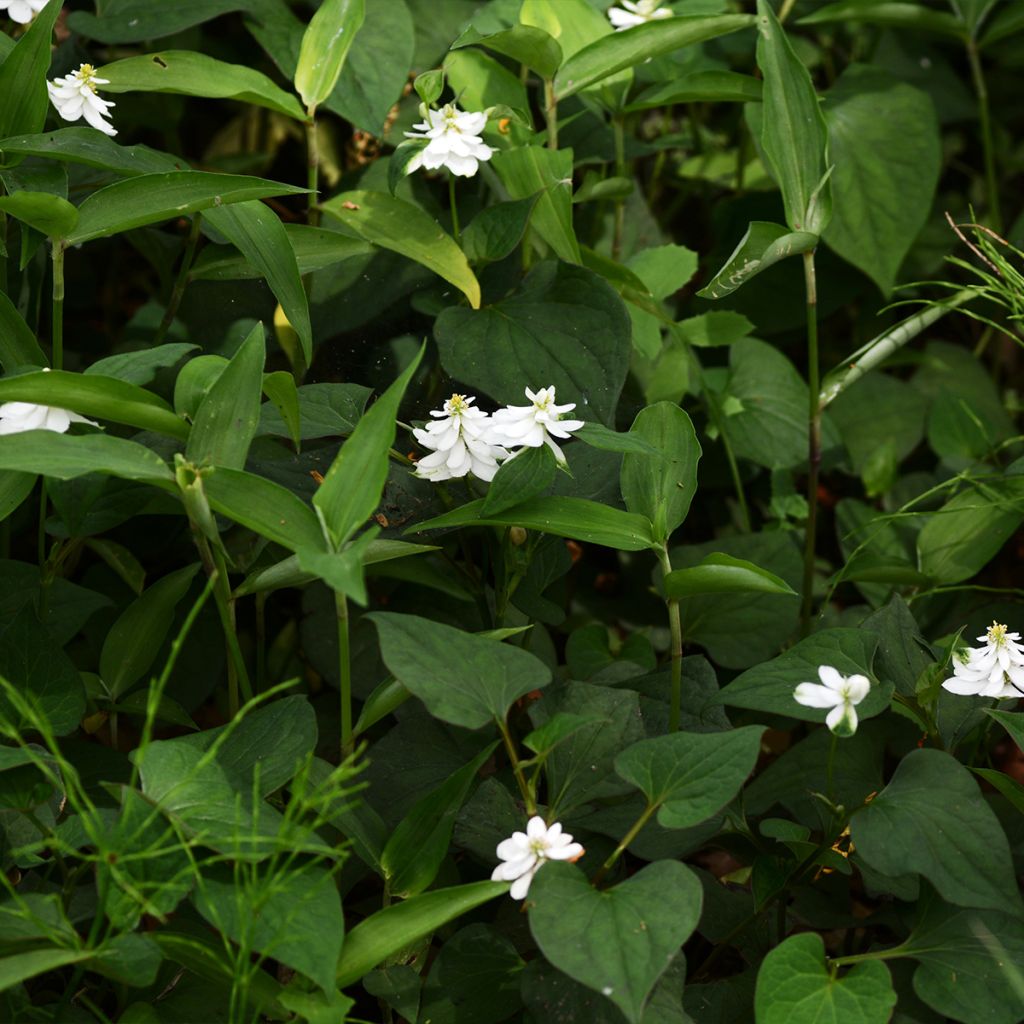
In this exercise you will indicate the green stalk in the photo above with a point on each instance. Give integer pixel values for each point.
(551, 113)
(344, 671)
(517, 769)
(181, 281)
(814, 441)
(57, 326)
(312, 166)
(626, 840)
(988, 150)
(619, 128)
(261, 641)
(676, 629)
(454, 207)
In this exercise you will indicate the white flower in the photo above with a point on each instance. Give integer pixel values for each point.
(457, 438)
(22, 11)
(75, 96)
(840, 693)
(637, 12)
(534, 425)
(524, 852)
(17, 417)
(993, 670)
(455, 140)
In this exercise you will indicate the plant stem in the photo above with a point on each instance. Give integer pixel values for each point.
(312, 166)
(181, 280)
(57, 326)
(619, 129)
(814, 441)
(517, 769)
(981, 91)
(344, 671)
(551, 113)
(623, 846)
(261, 641)
(454, 208)
(676, 629)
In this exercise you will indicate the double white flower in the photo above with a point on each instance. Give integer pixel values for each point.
(22, 11)
(840, 693)
(523, 853)
(532, 425)
(457, 439)
(464, 439)
(18, 417)
(454, 143)
(75, 96)
(996, 669)
(637, 12)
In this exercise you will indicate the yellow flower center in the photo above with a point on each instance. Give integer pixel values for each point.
(450, 114)
(997, 634)
(456, 405)
(86, 74)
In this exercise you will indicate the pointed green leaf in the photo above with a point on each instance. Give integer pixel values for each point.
(18, 345)
(65, 457)
(325, 45)
(529, 474)
(718, 573)
(763, 245)
(53, 216)
(23, 76)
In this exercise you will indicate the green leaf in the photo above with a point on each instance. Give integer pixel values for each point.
(34, 665)
(413, 854)
(53, 216)
(151, 198)
(398, 225)
(15, 487)
(770, 685)
(342, 571)
(496, 230)
(135, 21)
(719, 327)
(794, 986)
(598, 436)
(293, 916)
(136, 638)
(255, 230)
(621, 50)
(960, 538)
(763, 245)
(92, 395)
(556, 730)
(617, 941)
(22, 966)
(662, 489)
(482, 83)
(325, 45)
(794, 135)
(403, 924)
(523, 43)
(699, 87)
(283, 393)
(194, 74)
(325, 410)
(23, 76)
(563, 326)
(353, 485)
(884, 142)
(93, 149)
(932, 820)
(18, 345)
(519, 479)
(226, 420)
(966, 962)
(891, 14)
(141, 367)
(576, 518)
(462, 678)
(718, 573)
(530, 171)
(65, 457)
(689, 776)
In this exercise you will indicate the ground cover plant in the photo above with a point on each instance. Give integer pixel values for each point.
(510, 511)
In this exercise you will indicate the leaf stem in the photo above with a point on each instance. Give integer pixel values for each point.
(814, 441)
(454, 208)
(981, 91)
(57, 326)
(312, 167)
(517, 768)
(181, 281)
(344, 671)
(624, 845)
(551, 113)
(619, 130)
(676, 654)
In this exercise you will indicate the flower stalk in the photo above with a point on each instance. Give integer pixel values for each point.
(814, 441)
(676, 653)
(312, 167)
(57, 325)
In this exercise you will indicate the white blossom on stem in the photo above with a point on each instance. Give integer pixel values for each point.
(523, 853)
(532, 425)
(457, 438)
(22, 11)
(996, 669)
(637, 12)
(840, 693)
(454, 143)
(75, 96)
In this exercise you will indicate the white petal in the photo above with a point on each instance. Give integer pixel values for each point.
(536, 828)
(842, 720)
(521, 886)
(831, 677)
(812, 695)
(962, 687)
(568, 852)
(857, 688)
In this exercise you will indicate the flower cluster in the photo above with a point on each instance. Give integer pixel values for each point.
(840, 693)
(75, 96)
(22, 11)
(523, 854)
(463, 439)
(637, 12)
(996, 669)
(454, 140)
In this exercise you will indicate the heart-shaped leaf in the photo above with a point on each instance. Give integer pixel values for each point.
(619, 941)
